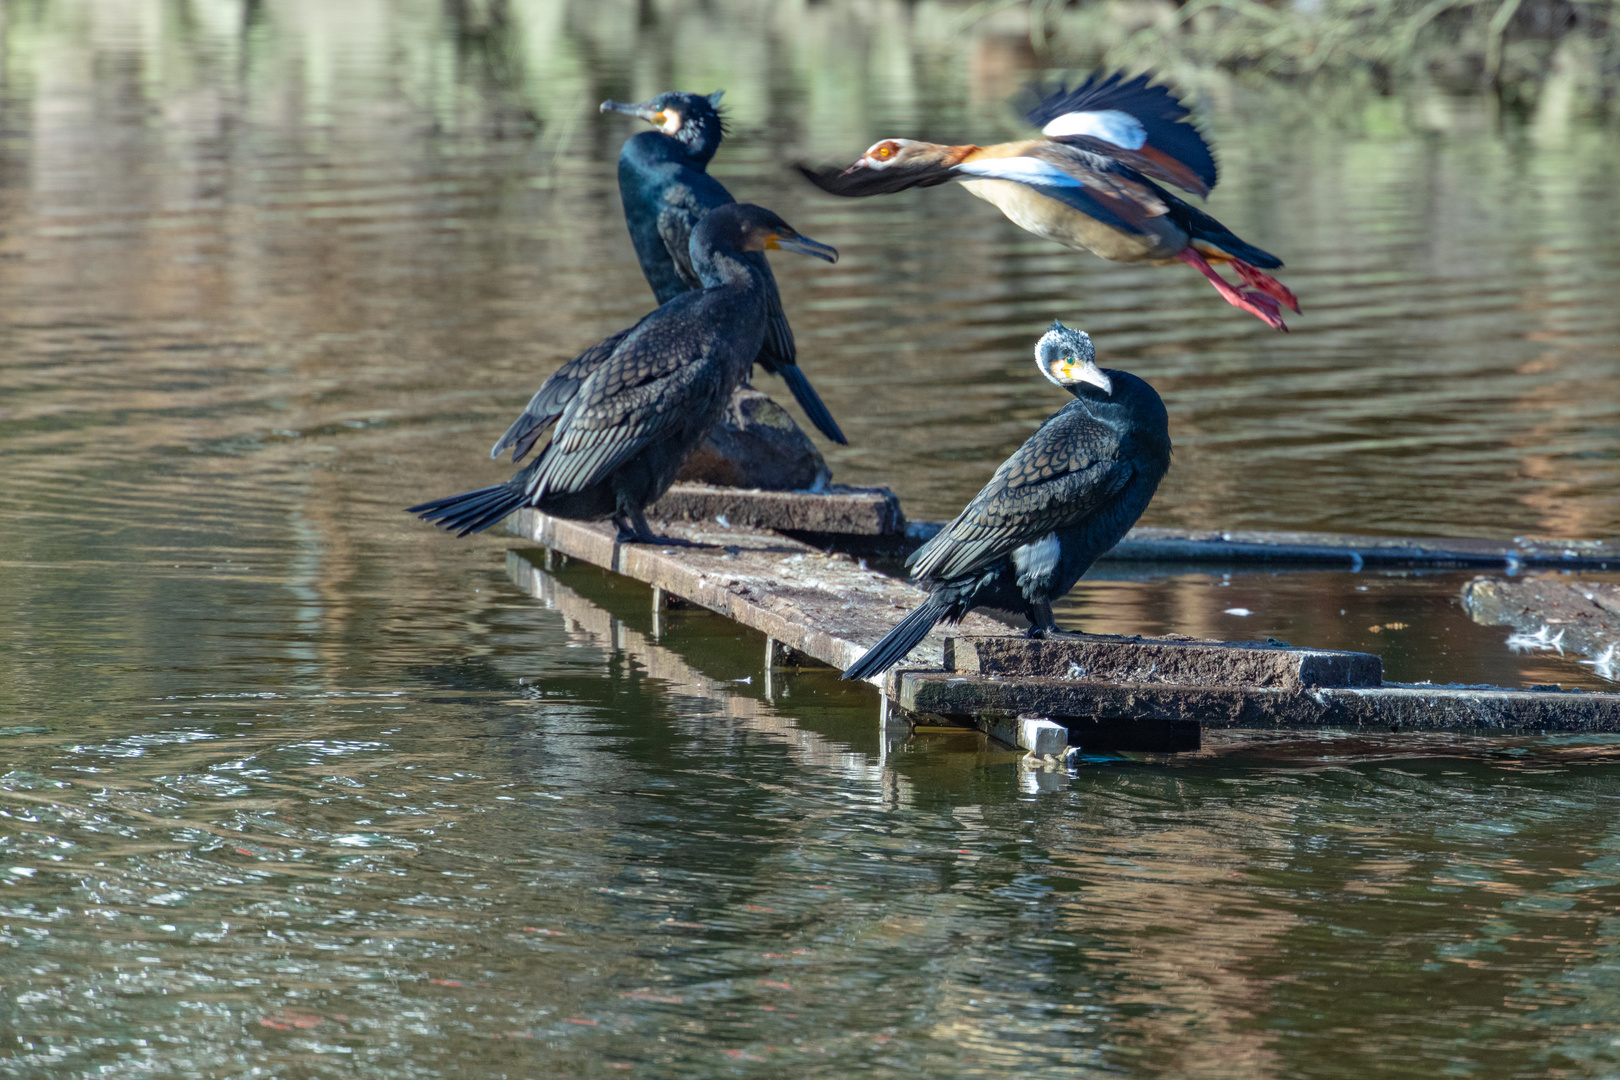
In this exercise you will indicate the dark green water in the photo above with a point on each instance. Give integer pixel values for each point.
(292, 785)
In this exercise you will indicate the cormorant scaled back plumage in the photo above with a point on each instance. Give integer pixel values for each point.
(666, 191)
(631, 421)
(1070, 493)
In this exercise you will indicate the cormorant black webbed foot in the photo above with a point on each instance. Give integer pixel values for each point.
(1041, 625)
(633, 529)
(672, 541)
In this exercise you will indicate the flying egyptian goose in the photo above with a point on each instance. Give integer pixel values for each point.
(1088, 182)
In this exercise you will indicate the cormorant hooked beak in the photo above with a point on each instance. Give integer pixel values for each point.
(803, 245)
(1087, 372)
(658, 118)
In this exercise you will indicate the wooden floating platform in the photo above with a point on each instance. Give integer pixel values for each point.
(1092, 691)
(821, 604)
(842, 510)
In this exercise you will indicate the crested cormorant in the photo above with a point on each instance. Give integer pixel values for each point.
(1070, 493)
(631, 421)
(666, 191)
(1087, 183)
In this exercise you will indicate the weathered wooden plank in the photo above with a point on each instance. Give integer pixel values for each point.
(1406, 706)
(841, 509)
(820, 603)
(1552, 612)
(1162, 660)
(1150, 544)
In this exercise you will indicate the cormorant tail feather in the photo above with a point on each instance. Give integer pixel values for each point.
(811, 403)
(899, 641)
(522, 435)
(471, 511)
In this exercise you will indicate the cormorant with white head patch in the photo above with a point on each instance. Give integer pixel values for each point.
(1071, 492)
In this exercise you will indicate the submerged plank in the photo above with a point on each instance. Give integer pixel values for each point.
(1309, 548)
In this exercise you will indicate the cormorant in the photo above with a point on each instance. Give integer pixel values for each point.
(628, 424)
(666, 191)
(1088, 183)
(1070, 493)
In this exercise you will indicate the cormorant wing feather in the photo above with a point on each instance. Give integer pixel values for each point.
(1062, 474)
(675, 225)
(645, 389)
(1104, 108)
(553, 397)
(778, 355)
(778, 350)
(856, 183)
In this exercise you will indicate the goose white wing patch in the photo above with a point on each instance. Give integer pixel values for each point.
(1110, 125)
(1022, 169)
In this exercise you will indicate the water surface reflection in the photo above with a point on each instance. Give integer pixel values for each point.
(290, 782)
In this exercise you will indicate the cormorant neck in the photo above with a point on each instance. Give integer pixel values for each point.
(1104, 407)
(716, 266)
(655, 146)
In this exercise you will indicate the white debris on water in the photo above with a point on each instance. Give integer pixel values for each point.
(1544, 638)
(1240, 611)
(1606, 665)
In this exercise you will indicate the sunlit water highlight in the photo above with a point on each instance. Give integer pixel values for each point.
(293, 785)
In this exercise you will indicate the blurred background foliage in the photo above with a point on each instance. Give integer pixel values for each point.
(1558, 55)
(1525, 53)
(508, 59)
